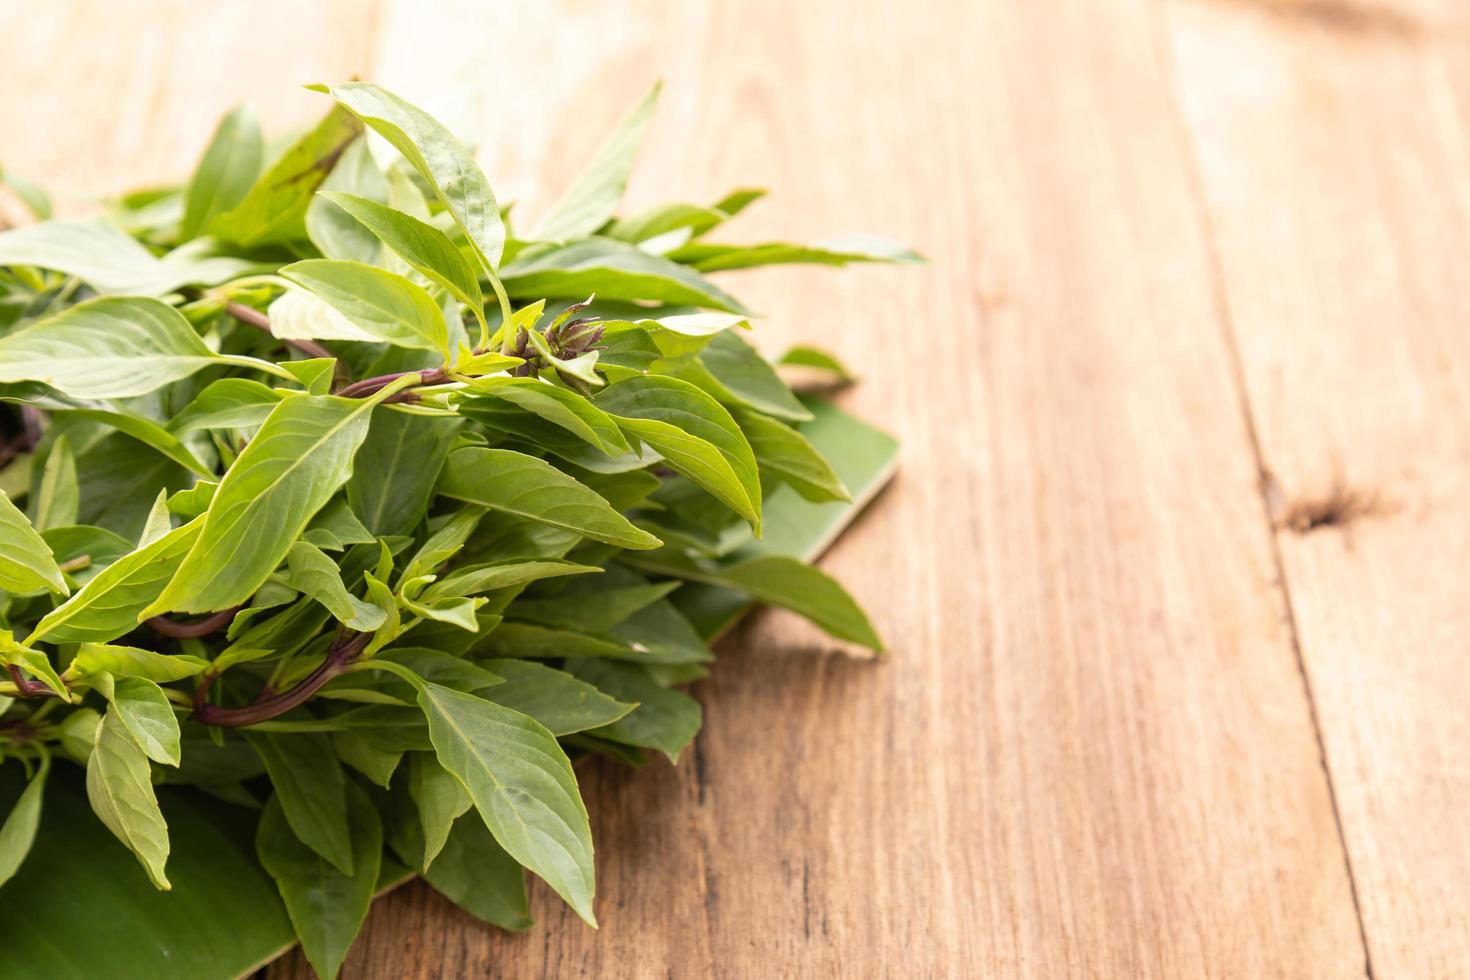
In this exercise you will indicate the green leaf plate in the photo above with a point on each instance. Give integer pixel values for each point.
(81, 907)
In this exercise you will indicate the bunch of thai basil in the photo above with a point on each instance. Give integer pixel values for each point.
(329, 492)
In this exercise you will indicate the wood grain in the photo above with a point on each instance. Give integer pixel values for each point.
(1335, 154)
(1168, 244)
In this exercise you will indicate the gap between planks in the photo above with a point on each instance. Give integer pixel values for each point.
(1224, 318)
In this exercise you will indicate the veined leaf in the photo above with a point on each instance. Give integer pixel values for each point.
(18, 831)
(779, 581)
(594, 195)
(111, 347)
(613, 270)
(120, 787)
(274, 209)
(521, 784)
(58, 497)
(94, 251)
(298, 314)
(837, 251)
(229, 403)
(665, 720)
(311, 572)
(434, 152)
(732, 371)
(109, 605)
(423, 246)
(150, 433)
(560, 407)
(503, 574)
(326, 907)
(695, 435)
(552, 697)
(818, 359)
(384, 305)
(26, 562)
(475, 873)
(312, 790)
(145, 712)
(300, 457)
(225, 173)
(526, 487)
(789, 456)
(396, 468)
(335, 232)
(122, 661)
(440, 797)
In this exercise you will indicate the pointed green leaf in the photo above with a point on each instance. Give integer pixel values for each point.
(384, 305)
(664, 720)
(787, 455)
(521, 784)
(475, 873)
(58, 497)
(440, 798)
(396, 468)
(26, 562)
(122, 661)
(112, 347)
(553, 697)
(558, 406)
(312, 790)
(590, 609)
(18, 831)
(434, 152)
(335, 232)
(423, 246)
(274, 209)
(300, 457)
(838, 251)
(120, 788)
(503, 574)
(311, 572)
(140, 705)
(694, 433)
(613, 270)
(594, 195)
(327, 907)
(229, 403)
(818, 359)
(225, 173)
(524, 486)
(733, 371)
(109, 605)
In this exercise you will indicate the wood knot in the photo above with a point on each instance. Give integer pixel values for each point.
(1340, 507)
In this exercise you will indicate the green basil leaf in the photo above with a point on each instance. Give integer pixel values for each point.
(522, 785)
(333, 231)
(110, 604)
(312, 573)
(274, 209)
(226, 172)
(558, 406)
(556, 699)
(785, 454)
(111, 347)
(26, 562)
(32, 661)
(312, 790)
(94, 251)
(384, 305)
(326, 906)
(122, 661)
(526, 487)
(732, 371)
(818, 359)
(613, 270)
(590, 610)
(19, 830)
(695, 434)
(475, 873)
(120, 788)
(396, 468)
(434, 152)
(528, 640)
(59, 497)
(374, 763)
(229, 403)
(424, 247)
(148, 432)
(440, 798)
(664, 720)
(146, 713)
(837, 251)
(594, 195)
(503, 574)
(299, 315)
(295, 464)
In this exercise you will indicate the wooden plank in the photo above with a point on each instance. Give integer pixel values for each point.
(102, 97)
(1334, 145)
(1091, 751)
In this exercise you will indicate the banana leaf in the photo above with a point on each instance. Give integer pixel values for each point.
(80, 906)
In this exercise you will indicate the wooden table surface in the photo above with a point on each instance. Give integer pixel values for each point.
(1173, 573)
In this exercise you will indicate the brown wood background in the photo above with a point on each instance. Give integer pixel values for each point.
(1173, 572)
